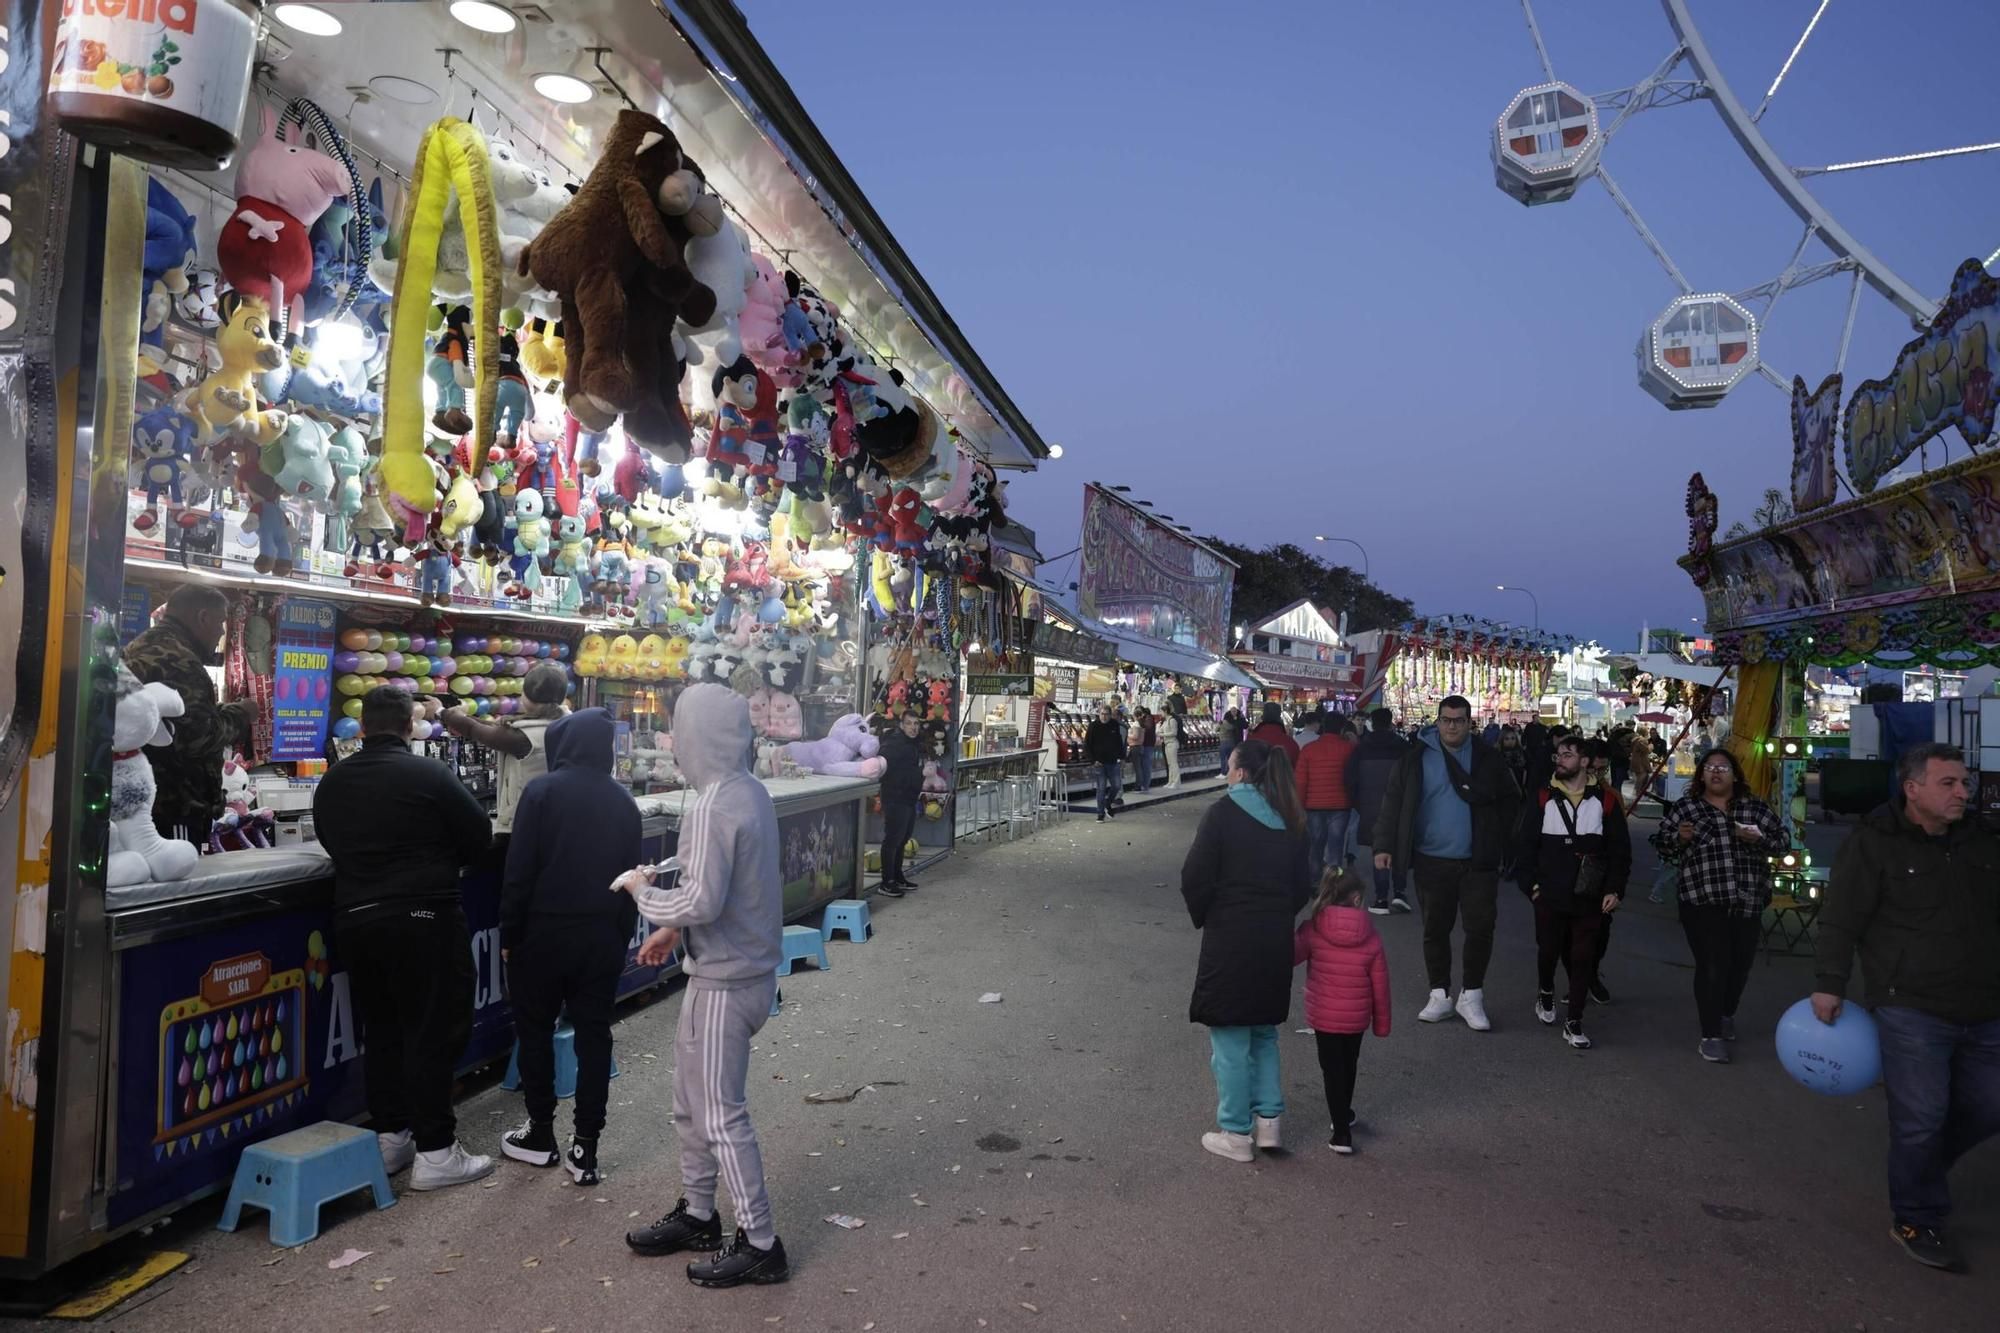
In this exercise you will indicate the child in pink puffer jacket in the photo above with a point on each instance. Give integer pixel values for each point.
(1347, 990)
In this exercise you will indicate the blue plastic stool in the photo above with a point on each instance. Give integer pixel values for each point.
(565, 1064)
(850, 915)
(291, 1175)
(803, 942)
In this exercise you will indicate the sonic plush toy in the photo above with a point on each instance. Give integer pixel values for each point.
(162, 443)
(170, 252)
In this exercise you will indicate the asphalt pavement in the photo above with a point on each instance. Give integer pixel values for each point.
(1034, 1163)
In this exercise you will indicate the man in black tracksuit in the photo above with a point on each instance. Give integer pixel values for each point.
(1571, 824)
(564, 934)
(902, 785)
(398, 828)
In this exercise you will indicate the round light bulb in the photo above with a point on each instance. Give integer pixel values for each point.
(564, 88)
(484, 17)
(308, 19)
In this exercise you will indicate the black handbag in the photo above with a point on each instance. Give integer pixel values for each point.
(1589, 869)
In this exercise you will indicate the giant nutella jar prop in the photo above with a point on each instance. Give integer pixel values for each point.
(160, 80)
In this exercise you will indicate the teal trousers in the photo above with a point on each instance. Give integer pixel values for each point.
(1245, 1064)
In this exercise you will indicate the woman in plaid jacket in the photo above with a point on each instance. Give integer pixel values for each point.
(1722, 838)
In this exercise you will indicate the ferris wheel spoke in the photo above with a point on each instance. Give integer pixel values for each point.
(1786, 68)
(1847, 324)
(1645, 232)
(1535, 31)
(1774, 379)
(1653, 90)
(1898, 159)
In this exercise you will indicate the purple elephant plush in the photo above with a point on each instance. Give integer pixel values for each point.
(848, 751)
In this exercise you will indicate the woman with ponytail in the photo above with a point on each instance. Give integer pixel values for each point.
(1245, 879)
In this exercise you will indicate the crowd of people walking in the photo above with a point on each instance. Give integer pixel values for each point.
(1915, 892)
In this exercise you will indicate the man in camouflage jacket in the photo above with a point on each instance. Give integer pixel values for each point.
(188, 775)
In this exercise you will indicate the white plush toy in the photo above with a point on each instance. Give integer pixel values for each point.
(138, 853)
(527, 199)
(722, 263)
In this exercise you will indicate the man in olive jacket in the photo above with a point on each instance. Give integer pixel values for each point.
(1916, 890)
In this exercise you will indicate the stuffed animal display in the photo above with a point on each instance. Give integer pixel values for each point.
(138, 854)
(848, 751)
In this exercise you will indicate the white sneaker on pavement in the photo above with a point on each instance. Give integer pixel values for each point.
(1438, 1009)
(1265, 1132)
(1236, 1147)
(398, 1151)
(448, 1166)
(1472, 1008)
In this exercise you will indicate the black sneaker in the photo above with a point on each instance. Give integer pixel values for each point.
(534, 1143)
(1399, 904)
(1342, 1141)
(739, 1261)
(1100, 817)
(1926, 1245)
(676, 1231)
(1599, 992)
(581, 1161)
(906, 885)
(888, 890)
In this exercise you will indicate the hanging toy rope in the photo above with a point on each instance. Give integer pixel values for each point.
(450, 159)
(309, 116)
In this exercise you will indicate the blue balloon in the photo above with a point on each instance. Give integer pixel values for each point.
(346, 728)
(1837, 1060)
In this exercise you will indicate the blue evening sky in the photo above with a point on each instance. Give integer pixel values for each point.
(1250, 261)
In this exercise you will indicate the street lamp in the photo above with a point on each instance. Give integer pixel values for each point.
(1357, 546)
(1502, 587)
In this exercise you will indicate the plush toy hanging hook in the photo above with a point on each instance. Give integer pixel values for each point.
(451, 157)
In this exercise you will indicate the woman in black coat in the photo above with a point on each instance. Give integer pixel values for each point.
(1245, 879)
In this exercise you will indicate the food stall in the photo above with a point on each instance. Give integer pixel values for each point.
(392, 451)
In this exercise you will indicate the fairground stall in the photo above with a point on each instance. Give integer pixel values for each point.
(454, 342)
(1903, 577)
(1299, 659)
(1502, 670)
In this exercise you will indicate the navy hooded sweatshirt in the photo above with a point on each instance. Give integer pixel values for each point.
(575, 830)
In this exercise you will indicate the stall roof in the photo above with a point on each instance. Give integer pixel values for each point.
(696, 65)
(1137, 648)
(1665, 666)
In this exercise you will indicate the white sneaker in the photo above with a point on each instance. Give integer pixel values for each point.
(398, 1151)
(1545, 1006)
(1236, 1147)
(1472, 1008)
(1265, 1132)
(1438, 1009)
(448, 1166)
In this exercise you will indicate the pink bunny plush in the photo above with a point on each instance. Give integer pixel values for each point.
(265, 249)
(762, 322)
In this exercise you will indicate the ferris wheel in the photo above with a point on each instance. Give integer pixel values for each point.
(1551, 139)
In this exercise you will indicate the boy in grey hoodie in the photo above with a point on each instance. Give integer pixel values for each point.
(728, 907)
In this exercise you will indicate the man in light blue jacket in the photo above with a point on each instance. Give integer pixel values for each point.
(728, 908)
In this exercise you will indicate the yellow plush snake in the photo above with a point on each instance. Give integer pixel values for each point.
(451, 157)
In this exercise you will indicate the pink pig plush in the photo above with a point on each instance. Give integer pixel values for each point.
(265, 249)
(848, 751)
(762, 323)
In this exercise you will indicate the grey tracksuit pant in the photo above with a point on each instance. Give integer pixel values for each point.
(711, 1114)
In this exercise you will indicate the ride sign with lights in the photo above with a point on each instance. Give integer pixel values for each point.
(1943, 377)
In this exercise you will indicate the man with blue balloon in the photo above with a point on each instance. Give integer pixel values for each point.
(1916, 891)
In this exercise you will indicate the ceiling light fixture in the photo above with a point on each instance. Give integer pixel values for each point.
(399, 89)
(484, 17)
(565, 88)
(308, 19)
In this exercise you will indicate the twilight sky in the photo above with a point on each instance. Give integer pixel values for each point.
(1251, 262)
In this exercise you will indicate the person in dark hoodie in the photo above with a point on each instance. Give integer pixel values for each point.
(902, 785)
(1370, 767)
(1448, 818)
(728, 906)
(564, 939)
(1572, 859)
(399, 827)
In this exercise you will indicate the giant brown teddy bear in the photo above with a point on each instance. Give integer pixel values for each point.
(621, 234)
